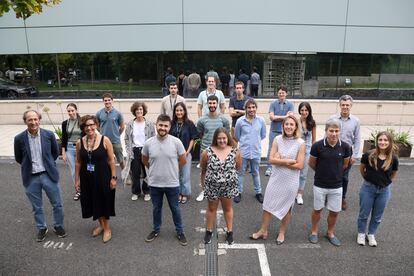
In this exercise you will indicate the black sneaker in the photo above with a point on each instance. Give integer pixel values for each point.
(181, 238)
(59, 231)
(151, 236)
(41, 235)
(259, 198)
(207, 237)
(229, 237)
(237, 198)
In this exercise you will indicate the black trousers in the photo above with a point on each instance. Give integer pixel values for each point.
(138, 170)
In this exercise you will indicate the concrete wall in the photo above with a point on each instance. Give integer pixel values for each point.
(380, 113)
(350, 26)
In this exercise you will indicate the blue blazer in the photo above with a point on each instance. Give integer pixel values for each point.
(50, 153)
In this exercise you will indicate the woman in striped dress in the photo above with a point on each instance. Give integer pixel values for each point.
(287, 157)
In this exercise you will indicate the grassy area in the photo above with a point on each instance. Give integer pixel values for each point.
(82, 86)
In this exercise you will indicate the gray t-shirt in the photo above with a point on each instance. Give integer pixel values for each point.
(163, 161)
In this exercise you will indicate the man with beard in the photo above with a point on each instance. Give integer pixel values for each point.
(208, 124)
(211, 90)
(250, 131)
(164, 155)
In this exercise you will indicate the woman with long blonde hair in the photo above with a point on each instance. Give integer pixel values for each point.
(378, 168)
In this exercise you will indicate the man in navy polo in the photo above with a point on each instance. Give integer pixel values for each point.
(350, 133)
(329, 158)
(236, 106)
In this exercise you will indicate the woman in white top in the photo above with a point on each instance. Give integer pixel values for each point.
(286, 156)
(137, 131)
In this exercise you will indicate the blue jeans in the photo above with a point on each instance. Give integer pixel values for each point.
(272, 135)
(71, 157)
(185, 177)
(157, 197)
(254, 167)
(372, 199)
(304, 171)
(34, 193)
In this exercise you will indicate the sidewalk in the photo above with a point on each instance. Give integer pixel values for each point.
(9, 131)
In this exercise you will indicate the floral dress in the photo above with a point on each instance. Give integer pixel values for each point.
(221, 176)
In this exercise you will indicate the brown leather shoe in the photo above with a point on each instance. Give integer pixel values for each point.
(107, 236)
(344, 204)
(97, 231)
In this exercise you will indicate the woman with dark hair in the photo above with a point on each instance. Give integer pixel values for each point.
(378, 168)
(71, 133)
(96, 176)
(185, 130)
(308, 127)
(219, 165)
(286, 156)
(137, 131)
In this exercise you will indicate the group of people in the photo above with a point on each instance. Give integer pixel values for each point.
(159, 161)
(190, 82)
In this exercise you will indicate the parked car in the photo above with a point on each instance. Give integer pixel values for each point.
(13, 90)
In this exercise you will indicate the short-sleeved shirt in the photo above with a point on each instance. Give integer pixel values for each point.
(379, 177)
(168, 103)
(329, 163)
(237, 104)
(202, 100)
(279, 109)
(206, 127)
(109, 122)
(163, 161)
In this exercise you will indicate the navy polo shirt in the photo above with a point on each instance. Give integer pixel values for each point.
(329, 163)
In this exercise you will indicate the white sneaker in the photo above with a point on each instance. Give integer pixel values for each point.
(200, 196)
(371, 241)
(147, 197)
(198, 166)
(299, 199)
(134, 197)
(268, 172)
(361, 239)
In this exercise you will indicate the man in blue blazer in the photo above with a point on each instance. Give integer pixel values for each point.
(36, 150)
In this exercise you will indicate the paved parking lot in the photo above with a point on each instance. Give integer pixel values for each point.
(128, 254)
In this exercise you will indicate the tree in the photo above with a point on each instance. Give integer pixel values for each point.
(25, 8)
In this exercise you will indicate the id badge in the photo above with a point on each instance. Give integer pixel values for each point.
(90, 167)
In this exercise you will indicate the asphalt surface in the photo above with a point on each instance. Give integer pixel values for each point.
(128, 254)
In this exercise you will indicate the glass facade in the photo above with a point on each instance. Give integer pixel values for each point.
(140, 74)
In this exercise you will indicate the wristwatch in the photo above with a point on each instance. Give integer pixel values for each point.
(114, 177)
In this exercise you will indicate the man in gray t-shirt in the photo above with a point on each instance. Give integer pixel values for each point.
(163, 155)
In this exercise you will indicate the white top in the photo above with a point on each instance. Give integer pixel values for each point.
(139, 134)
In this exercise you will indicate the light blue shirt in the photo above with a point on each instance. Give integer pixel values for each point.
(279, 109)
(35, 145)
(350, 132)
(202, 100)
(250, 135)
(109, 122)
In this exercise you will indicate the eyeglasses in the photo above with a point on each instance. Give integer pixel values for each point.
(89, 125)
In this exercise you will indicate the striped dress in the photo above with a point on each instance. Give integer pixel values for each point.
(284, 182)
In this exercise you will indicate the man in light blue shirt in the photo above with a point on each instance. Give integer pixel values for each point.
(111, 124)
(278, 111)
(202, 102)
(250, 131)
(350, 133)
